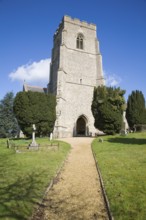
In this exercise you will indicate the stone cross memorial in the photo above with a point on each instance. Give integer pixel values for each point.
(34, 143)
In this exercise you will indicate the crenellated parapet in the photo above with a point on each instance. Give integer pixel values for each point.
(79, 22)
(74, 21)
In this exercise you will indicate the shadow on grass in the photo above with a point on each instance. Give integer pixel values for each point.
(124, 140)
(18, 198)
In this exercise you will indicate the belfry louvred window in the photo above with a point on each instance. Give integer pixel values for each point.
(80, 41)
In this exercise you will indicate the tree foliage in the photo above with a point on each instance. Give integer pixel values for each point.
(35, 108)
(136, 111)
(107, 108)
(8, 123)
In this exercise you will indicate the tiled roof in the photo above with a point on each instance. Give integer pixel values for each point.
(27, 88)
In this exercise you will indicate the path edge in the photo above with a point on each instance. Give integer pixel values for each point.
(40, 203)
(110, 216)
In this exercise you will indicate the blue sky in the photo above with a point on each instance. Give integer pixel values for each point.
(26, 40)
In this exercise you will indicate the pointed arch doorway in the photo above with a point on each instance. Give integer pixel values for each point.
(81, 126)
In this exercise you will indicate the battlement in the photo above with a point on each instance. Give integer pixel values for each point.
(74, 21)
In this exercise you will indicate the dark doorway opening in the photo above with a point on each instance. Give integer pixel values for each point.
(81, 126)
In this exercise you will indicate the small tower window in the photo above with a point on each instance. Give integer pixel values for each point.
(79, 41)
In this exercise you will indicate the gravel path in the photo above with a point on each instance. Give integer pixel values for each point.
(77, 193)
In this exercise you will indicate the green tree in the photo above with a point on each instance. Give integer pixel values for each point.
(107, 108)
(8, 123)
(35, 108)
(136, 111)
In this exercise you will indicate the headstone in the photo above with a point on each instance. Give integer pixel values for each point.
(123, 132)
(101, 140)
(51, 136)
(8, 144)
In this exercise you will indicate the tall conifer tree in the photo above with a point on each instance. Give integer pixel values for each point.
(136, 112)
(107, 108)
(35, 108)
(8, 123)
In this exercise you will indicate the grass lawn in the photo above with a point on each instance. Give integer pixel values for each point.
(122, 162)
(25, 176)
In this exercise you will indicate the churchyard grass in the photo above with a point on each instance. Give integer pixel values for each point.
(25, 176)
(122, 163)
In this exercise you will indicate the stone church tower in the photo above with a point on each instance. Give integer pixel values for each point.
(75, 70)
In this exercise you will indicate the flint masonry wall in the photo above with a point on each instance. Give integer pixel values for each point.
(74, 73)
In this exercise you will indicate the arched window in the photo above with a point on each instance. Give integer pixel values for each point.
(79, 41)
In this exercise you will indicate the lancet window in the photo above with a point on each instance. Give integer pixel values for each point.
(80, 41)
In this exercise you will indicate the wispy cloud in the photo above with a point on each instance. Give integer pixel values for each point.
(112, 79)
(38, 73)
(35, 72)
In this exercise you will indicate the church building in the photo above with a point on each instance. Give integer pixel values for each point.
(76, 68)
